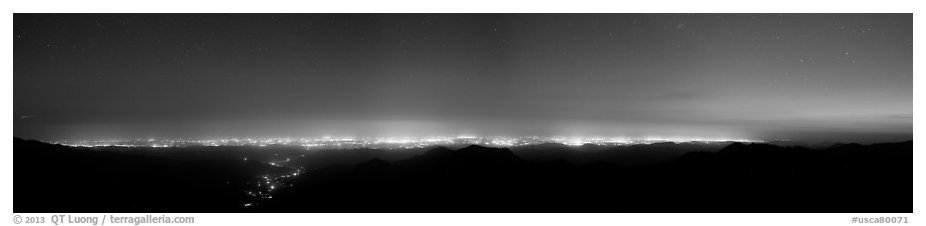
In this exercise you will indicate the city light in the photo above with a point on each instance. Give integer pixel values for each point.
(320, 143)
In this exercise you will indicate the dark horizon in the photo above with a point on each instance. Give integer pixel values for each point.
(802, 77)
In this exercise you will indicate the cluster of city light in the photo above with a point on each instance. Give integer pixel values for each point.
(267, 184)
(395, 142)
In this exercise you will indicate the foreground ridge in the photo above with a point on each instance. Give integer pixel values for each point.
(661, 177)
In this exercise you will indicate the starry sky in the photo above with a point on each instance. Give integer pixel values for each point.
(810, 77)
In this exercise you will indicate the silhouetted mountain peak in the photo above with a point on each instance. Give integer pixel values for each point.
(739, 147)
(668, 143)
(438, 151)
(474, 147)
(734, 146)
(34, 144)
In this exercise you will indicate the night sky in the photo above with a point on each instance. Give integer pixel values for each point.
(809, 77)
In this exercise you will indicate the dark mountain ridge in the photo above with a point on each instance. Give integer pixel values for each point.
(736, 177)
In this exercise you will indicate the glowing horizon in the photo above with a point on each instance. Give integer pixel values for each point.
(329, 142)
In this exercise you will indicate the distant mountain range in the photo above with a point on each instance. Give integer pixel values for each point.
(663, 177)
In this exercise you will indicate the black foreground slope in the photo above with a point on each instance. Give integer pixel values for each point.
(54, 178)
(738, 178)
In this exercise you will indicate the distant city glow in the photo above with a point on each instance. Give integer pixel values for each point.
(394, 142)
(271, 183)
